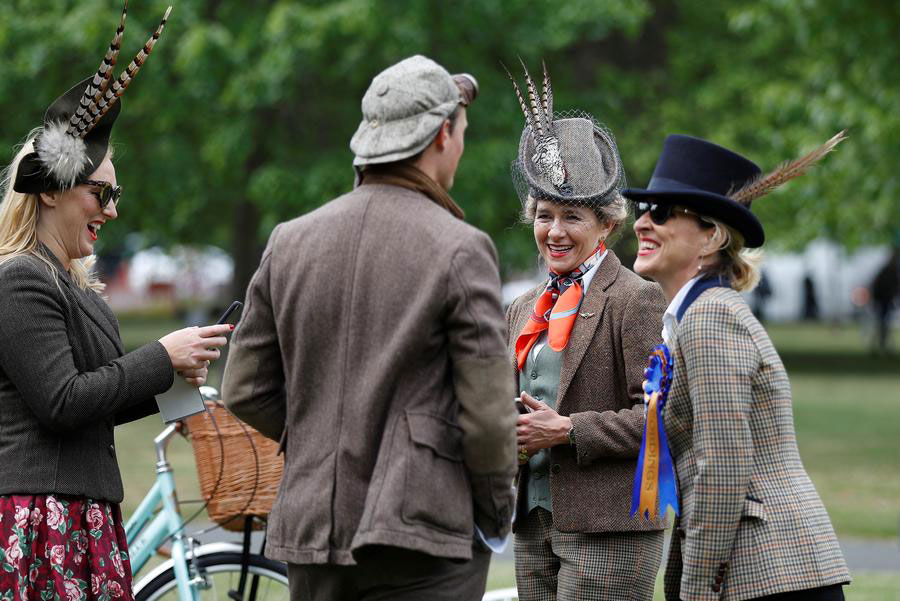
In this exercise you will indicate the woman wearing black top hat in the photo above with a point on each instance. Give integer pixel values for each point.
(65, 380)
(751, 524)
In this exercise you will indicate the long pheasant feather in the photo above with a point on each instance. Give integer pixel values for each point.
(525, 111)
(547, 96)
(127, 76)
(785, 172)
(87, 108)
(532, 96)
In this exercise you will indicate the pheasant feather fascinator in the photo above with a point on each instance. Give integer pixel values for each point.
(564, 157)
(75, 135)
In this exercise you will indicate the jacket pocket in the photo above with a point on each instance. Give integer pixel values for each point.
(755, 509)
(437, 490)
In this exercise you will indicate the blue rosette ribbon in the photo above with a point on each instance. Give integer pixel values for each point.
(654, 479)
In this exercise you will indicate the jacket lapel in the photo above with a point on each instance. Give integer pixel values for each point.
(589, 316)
(526, 307)
(90, 304)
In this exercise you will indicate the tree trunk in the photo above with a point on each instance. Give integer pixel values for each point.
(246, 248)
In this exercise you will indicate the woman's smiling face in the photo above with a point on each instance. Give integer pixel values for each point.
(566, 235)
(670, 253)
(72, 219)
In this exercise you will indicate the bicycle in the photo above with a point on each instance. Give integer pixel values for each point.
(194, 571)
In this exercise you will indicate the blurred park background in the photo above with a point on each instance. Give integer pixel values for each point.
(242, 118)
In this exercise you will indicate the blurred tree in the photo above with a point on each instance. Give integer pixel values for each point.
(243, 115)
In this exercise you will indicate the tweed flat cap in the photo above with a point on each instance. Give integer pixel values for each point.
(404, 107)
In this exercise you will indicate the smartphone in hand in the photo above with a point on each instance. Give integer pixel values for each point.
(231, 309)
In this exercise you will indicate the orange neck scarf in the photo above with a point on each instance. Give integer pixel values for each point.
(556, 309)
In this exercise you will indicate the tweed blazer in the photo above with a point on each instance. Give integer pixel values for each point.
(65, 382)
(372, 346)
(603, 365)
(751, 521)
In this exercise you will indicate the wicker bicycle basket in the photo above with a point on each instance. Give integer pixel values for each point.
(249, 481)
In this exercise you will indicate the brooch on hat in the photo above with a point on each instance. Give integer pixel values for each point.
(539, 119)
(75, 134)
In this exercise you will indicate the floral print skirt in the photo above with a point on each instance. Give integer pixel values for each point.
(60, 547)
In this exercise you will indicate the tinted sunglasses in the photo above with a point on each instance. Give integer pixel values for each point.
(661, 212)
(106, 193)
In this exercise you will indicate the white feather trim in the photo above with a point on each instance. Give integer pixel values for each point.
(63, 155)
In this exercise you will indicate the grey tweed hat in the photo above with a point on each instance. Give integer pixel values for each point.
(567, 157)
(403, 109)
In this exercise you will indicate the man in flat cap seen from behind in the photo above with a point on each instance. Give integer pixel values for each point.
(372, 346)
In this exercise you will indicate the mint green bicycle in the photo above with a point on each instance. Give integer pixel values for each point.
(194, 572)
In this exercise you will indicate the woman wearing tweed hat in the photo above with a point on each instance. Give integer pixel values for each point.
(579, 342)
(65, 380)
(752, 525)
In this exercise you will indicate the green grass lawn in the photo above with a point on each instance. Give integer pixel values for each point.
(848, 430)
(847, 418)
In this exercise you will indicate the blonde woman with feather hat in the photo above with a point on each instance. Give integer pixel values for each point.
(578, 344)
(65, 380)
(751, 525)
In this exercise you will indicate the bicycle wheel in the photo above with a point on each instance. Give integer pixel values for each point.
(221, 573)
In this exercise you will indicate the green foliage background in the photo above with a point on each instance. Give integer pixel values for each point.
(243, 115)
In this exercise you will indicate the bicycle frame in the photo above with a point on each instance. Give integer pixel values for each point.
(145, 533)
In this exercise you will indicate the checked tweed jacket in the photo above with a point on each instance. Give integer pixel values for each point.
(752, 523)
(600, 390)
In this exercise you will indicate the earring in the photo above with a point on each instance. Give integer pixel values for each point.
(700, 266)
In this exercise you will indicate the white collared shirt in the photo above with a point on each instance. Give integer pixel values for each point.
(670, 317)
(586, 280)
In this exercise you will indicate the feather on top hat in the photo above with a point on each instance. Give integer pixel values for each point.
(564, 157)
(719, 183)
(75, 135)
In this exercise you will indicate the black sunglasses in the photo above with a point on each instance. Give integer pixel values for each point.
(661, 212)
(106, 193)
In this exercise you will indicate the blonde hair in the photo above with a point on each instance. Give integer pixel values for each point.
(614, 212)
(19, 215)
(740, 265)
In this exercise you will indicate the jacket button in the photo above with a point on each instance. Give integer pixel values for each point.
(719, 580)
(716, 588)
(555, 468)
(534, 375)
(112, 451)
(723, 566)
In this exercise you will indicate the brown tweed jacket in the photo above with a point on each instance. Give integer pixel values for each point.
(372, 346)
(752, 523)
(619, 323)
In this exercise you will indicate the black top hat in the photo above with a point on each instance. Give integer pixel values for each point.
(700, 175)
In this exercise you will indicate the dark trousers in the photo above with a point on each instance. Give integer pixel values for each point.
(383, 573)
(835, 592)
